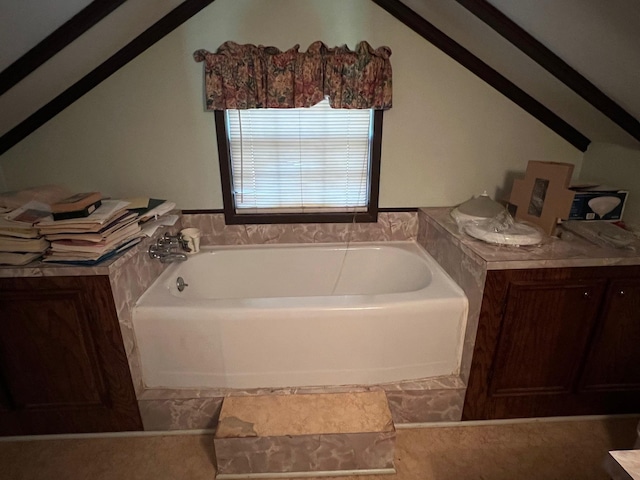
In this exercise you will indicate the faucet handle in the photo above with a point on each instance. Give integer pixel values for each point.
(154, 251)
(169, 240)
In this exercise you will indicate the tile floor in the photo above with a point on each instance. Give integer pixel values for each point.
(562, 450)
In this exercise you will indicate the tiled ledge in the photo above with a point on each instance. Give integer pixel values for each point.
(390, 226)
(551, 253)
(43, 269)
(426, 384)
(437, 399)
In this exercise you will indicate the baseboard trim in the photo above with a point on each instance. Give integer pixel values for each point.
(323, 473)
(512, 421)
(72, 436)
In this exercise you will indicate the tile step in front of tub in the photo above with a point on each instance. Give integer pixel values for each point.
(302, 435)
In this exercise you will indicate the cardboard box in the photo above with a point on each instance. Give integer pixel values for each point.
(597, 203)
(543, 195)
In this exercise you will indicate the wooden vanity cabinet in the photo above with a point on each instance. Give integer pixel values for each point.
(613, 361)
(63, 368)
(561, 341)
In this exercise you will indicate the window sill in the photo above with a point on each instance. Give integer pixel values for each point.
(232, 218)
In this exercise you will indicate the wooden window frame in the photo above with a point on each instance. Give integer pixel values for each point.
(234, 218)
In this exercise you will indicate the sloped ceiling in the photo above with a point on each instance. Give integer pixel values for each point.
(79, 57)
(601, 40)
(465, 28)
(24, 23)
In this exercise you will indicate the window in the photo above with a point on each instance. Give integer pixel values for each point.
(299, 165)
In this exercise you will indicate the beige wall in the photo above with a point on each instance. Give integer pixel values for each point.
(143, 131)
(618, 167)
(3, 183)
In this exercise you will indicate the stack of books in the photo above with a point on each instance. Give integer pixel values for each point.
(84, 229)
(87, 240)
(20, 240)
(77, 206)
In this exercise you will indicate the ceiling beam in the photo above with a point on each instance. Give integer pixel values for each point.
(56, 41)
(146, 39)
(552, 63)
(468, 60)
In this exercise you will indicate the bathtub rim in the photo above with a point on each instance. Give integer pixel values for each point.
(158, 295)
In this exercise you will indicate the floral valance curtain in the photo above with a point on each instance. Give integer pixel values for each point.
(249, 76)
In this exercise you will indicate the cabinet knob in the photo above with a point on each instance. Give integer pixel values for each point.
(621, 293)
(587, 294)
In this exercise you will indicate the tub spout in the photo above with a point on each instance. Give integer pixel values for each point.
(173, 257)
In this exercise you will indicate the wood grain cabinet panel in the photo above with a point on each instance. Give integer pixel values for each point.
(545, 329)
(551, 342)
(63, 367)
(613, 361)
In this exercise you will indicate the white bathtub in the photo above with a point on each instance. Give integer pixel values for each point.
(300, 315)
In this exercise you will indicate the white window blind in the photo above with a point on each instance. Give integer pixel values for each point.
(300, 160)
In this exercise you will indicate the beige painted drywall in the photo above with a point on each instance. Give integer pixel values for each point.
(3, 183)
(143, 131)
(618, 167)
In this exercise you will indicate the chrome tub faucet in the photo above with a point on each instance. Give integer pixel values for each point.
(169, 249)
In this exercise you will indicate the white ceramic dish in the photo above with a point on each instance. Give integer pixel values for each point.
(518, 234)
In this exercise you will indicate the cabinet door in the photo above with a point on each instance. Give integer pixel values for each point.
(613, 362)
(545, 329)
(534, 328)
(61, 358)
(8, 420)
(5, 398)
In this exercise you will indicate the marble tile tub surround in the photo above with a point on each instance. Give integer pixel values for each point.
(128, 282)
(466, 268)
(158, 407)
(391, 226)
(437, 399)
(197, 413)
(298, 456)
(416, 401)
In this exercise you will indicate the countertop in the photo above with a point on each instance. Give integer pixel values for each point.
(106, 267)
(553, 252)
(629, 460)
(43, 269)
